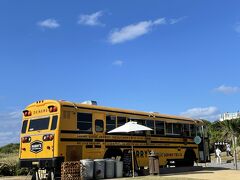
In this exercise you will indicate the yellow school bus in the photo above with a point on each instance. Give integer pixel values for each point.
(57, 131)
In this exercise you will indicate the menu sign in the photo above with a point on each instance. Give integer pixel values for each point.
(127, 161)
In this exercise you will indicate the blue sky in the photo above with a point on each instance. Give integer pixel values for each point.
(171, 56)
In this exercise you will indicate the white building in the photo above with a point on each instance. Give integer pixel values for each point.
(229, 116)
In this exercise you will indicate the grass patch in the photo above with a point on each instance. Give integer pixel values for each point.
(9, 161)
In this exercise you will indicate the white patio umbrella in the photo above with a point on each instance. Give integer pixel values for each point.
(130, 126)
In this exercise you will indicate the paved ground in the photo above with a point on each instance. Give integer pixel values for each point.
(211, 171)
(209, 174)
(224, 164)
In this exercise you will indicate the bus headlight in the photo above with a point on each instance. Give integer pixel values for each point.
(26, 139)
(48, 137)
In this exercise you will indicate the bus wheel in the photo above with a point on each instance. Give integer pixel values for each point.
(179, 163)
(113, 153)
(189, 157)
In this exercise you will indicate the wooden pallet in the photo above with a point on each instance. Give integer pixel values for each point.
(72, 170)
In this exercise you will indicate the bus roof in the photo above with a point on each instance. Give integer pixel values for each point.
(116, 110)
(133, 112)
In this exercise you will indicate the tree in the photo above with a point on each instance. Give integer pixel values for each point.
(231, 131)
(215, 133)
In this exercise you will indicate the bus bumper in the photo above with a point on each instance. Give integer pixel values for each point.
(41, 163)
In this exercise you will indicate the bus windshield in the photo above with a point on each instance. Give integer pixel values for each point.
(39, 124)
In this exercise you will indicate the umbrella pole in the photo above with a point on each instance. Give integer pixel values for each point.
(132, 163)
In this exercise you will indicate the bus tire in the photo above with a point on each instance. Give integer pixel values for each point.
(189, 157)
(113, 153)
(179, 163)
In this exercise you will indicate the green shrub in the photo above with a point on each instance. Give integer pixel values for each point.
(21, 171)
(9, 161)
(10, 148)
(8, 165)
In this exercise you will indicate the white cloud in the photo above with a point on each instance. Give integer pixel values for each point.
(49, 23)
(118, 63)
(4, 134)
(208, 113)
(159, 21)
(133, 31)
(227, 89)
(237, 27)
(15, 114)
(10, 127)
(176, 20)
(91, 19)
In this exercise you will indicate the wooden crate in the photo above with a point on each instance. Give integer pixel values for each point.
(72, 170)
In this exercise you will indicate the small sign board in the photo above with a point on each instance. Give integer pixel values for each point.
(197, 140)
(36, 146)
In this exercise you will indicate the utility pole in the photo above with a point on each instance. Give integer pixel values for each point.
(235, 152)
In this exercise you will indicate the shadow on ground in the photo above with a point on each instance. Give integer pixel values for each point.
(190, 170)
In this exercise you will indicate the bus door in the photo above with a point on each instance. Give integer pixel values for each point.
(147, 134)
(150, 124)
(99, 136)
(99, 125)
(148, 137)
(203, 146)
(206, 143)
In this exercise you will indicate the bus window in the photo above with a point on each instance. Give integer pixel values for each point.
(150, 124)
(199, 131)
(24, 126)
(141, 121)
(121, 121)
(54, 122)
(110, 122)
(99, 125)
(84, 122)
(159, 127)
(169, 128)
(186, 130)
(39, 124)
(193, 130)
(177, 128)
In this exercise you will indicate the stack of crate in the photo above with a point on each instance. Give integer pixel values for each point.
(72, 170)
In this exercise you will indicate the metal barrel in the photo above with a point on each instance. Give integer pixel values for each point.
(118, 169)
(109, 168)
(99, 168)
(88, 168)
